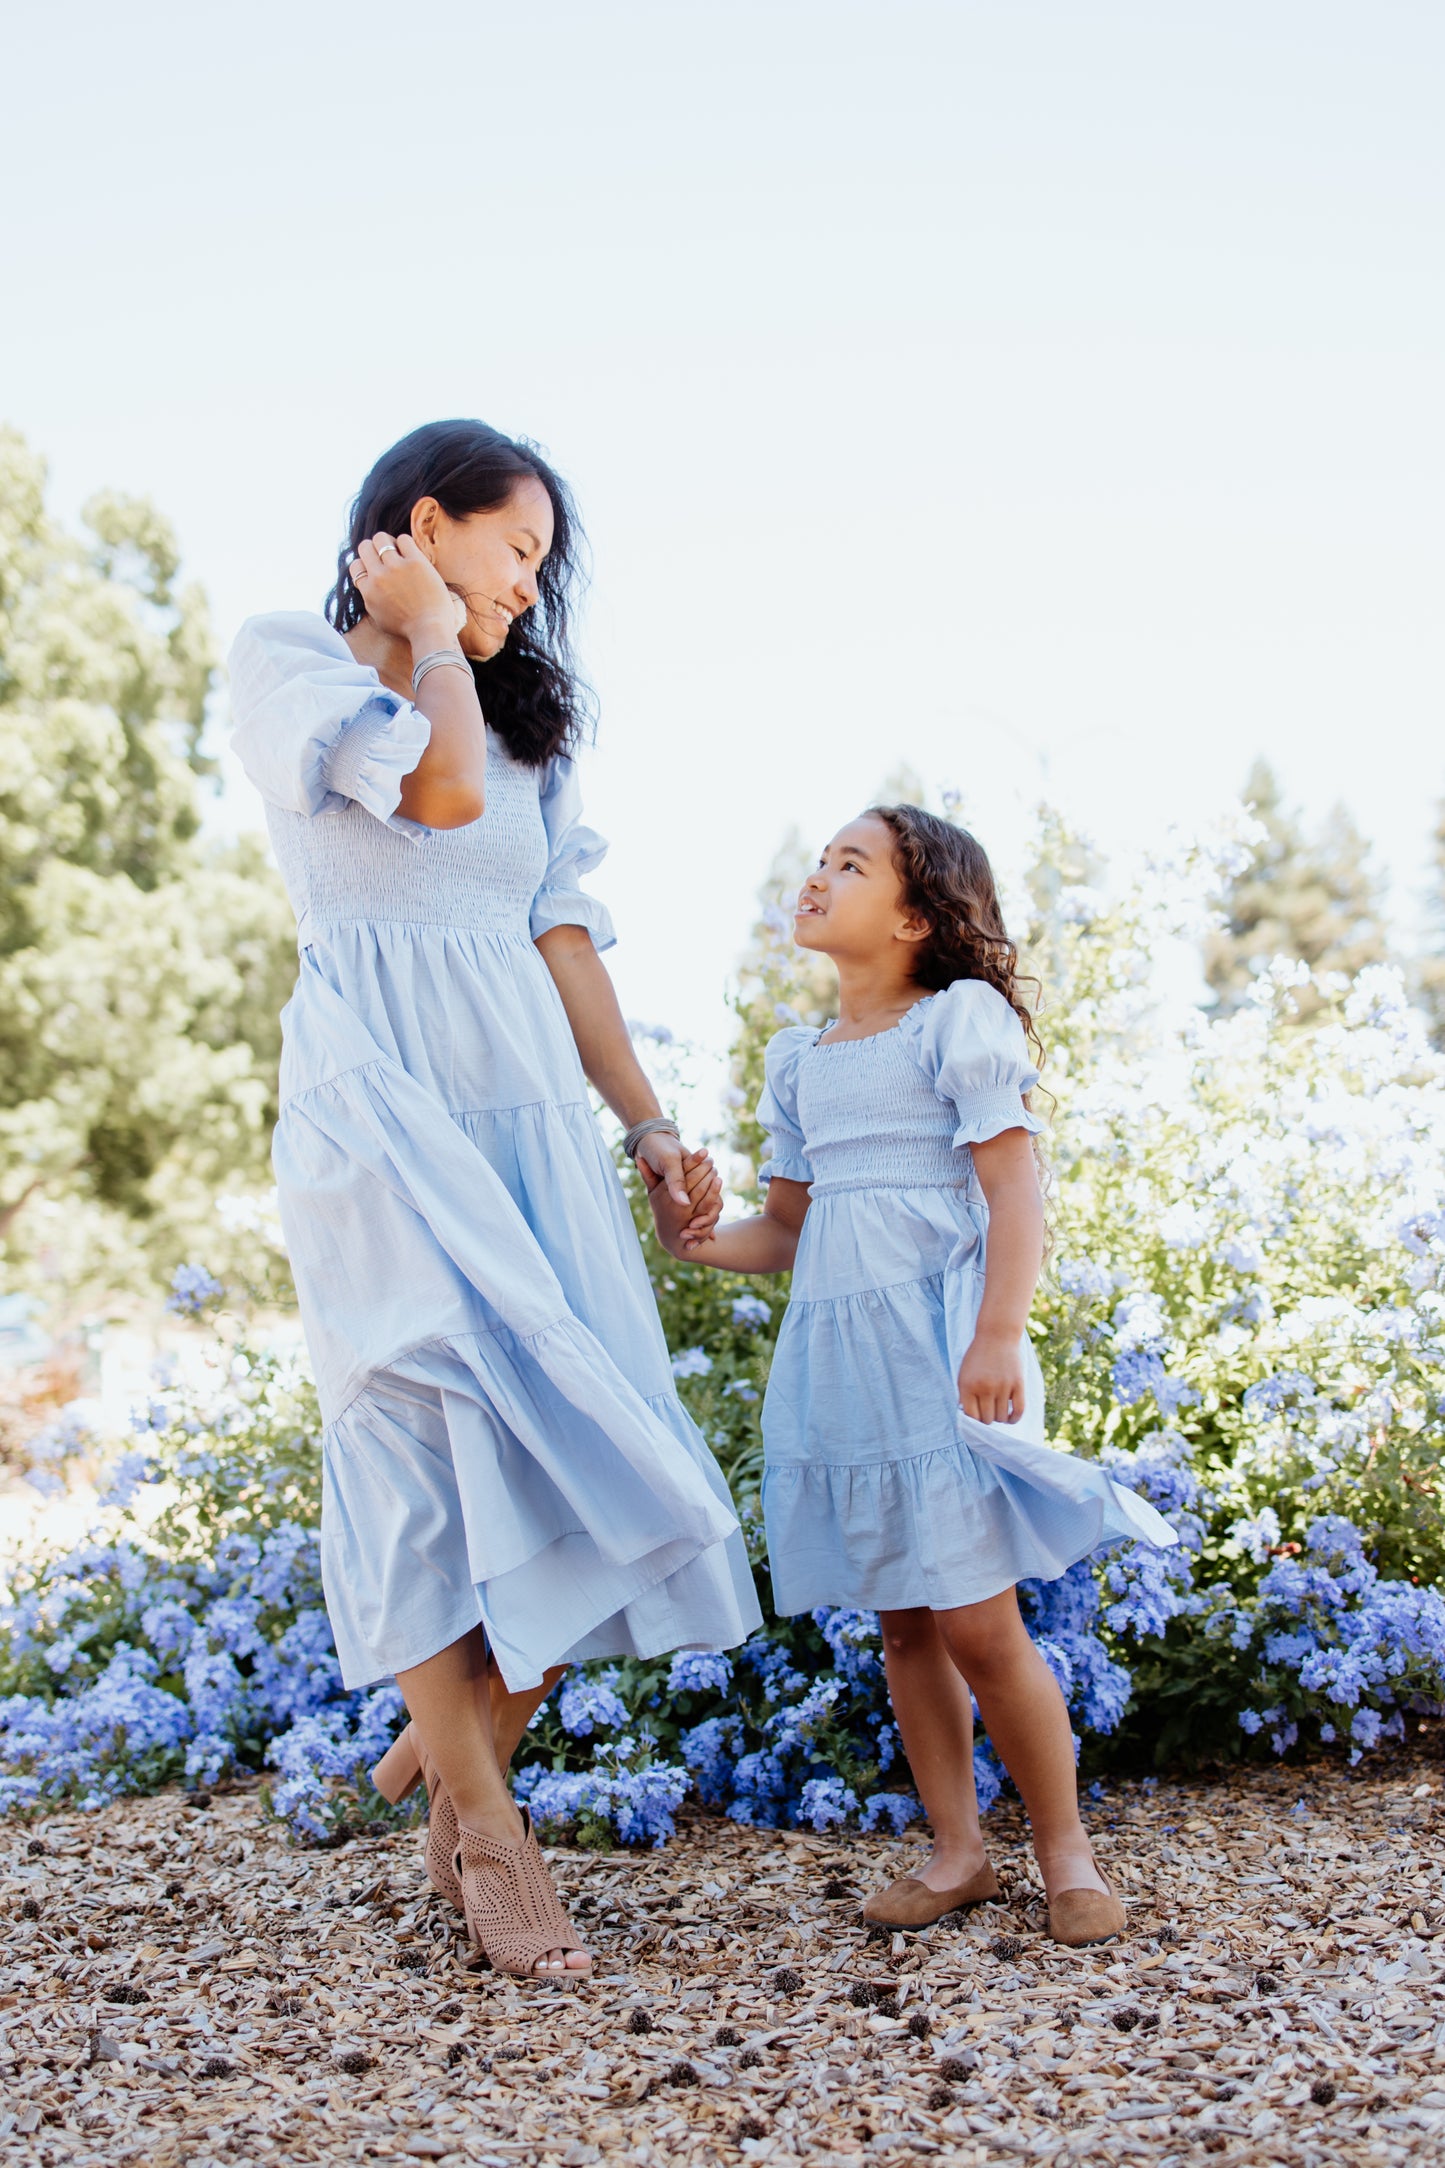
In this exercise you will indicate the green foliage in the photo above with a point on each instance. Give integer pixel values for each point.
(141, 974)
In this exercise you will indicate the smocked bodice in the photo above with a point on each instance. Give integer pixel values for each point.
(872, 1120)
(342, 864)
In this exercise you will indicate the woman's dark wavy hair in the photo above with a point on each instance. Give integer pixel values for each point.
(530, 692)
(948, 880)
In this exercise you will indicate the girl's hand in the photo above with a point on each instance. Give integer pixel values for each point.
(991, 1379)
(661, 1159)
(680, 1227)
(404, 593)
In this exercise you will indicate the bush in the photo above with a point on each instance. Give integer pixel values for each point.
(1244, 1316)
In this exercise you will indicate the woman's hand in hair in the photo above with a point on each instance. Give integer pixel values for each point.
(404, 593)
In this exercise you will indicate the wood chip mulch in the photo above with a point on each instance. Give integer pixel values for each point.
(178, 1983)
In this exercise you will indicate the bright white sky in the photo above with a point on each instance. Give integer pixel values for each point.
(1045, 395)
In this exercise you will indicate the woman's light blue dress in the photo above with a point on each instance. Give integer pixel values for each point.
(503, 1443)
(879, 1493)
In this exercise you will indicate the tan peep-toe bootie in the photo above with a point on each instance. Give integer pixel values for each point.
(1078, 1917)
(910, 1904)
(513, 1911)
(404, 1765)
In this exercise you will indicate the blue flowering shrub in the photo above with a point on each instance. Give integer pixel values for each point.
(1243, 1316)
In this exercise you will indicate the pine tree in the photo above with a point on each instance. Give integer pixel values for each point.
(1312, 898)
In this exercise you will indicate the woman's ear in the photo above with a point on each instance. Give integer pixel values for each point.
(425, 514)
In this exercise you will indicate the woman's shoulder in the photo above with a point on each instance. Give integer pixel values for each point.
(280, 642)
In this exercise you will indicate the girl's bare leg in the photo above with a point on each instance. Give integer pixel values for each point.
(1026, 1719)
(935, 1716)
(450, 1697)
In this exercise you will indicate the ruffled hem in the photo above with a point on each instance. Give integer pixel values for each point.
(376, 752)
(943, 1528)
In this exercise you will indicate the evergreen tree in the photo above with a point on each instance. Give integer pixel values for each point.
(1429, 974)
(1313, 898)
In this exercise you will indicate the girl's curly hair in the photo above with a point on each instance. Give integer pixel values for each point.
(531, 693)
(948, 880)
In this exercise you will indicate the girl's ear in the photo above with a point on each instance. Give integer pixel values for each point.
(424, 516)
(913, 928)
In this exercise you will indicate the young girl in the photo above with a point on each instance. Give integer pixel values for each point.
(906, 1469)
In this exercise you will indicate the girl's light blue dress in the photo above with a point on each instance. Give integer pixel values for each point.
(878, 1492)
(503, 1443)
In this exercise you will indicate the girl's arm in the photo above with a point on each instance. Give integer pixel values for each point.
(768, 1242)
(609, 1060)
(991, 1375)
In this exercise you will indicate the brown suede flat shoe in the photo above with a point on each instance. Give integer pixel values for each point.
(909, 1903)
(1078, 1917)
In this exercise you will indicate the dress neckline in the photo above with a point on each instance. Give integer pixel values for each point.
(870, 1038)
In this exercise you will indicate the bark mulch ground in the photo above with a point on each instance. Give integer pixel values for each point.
(179, 1984)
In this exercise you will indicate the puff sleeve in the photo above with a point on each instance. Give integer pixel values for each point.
(315, 728)
(971, 1047)
(573, 850)
(778, 1107)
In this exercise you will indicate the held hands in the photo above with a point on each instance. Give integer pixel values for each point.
(404, 593)
(685, 1206)
(991, 1378)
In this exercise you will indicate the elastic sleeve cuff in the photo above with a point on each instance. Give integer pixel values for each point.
(787, 1167)
(375, 753)
(988, 1114)
(569, 907)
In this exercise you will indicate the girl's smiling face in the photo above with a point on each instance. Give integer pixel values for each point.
(852, 905)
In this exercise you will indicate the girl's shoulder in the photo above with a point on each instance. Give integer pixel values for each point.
(783, 1056)
(967, 1026)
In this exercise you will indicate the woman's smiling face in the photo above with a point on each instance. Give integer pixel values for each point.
(852, 904)
(490, 559)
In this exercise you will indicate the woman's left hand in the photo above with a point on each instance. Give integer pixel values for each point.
(690, 1177)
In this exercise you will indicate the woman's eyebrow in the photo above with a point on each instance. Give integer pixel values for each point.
(534, 539)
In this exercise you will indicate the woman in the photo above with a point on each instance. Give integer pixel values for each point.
(510, 1483)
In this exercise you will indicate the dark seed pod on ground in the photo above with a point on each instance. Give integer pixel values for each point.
(30, 1909)
(682, 2074)
(751, 2126)
(1149, 2022)
(447, 2013)
(1265, 1983)
(511, 2051)
(175, 1889)
(750, 2059)
(1125, 2020)
(284, 2005)
(955, 2068)
(920, 2025)
(36, 1847)
(836, 1888)
(353, 2062)
(412, 1961)
(861, 1995)
(200, 1799)
(886, 2005)
(941, 2097)
(1068, 2016)
(1170, 1934)
(727, 2036)
(1006, 1947)
(786, 1981)
(216, 2066)
(638, 2021)
(456, 2053)
(1323, 2091)
(1225, 2092)
(126, 1992)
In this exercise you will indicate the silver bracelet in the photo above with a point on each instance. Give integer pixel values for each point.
(437, 660)
(639, 1130)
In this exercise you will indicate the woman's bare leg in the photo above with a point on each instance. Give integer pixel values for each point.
(931, 1703)
(450, 1698)
(1024, 1713)
(512, 1713)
